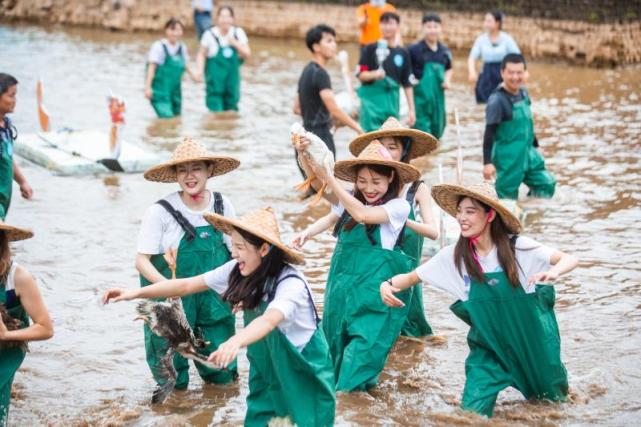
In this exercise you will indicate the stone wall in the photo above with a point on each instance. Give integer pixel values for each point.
(579, 42)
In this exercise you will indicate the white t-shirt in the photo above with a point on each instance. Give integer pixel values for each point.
(440, 271)
(10, 285)
(159, 230)
(397, 211)
(157, 53)
(208, 41)
(292, 298)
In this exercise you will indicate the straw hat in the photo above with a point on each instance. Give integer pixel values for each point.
(375, 154)
(188, 151)
(422, 142)
(447, 197)
(261, 223)
(14, 233)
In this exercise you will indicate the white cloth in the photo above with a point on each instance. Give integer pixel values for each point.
(10, 285)
(159, 230)
(397, 211)
(209, 42)
(292, 298)
(157, 53)
(440, 271)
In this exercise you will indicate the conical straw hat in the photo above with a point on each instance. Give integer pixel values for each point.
(15, 233)
(188, 151)
(375, 154)
(422, 142)
(261, 223)
(447, 197)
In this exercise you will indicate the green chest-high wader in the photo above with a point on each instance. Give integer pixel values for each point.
(514, 341)
(10, 359)
(286, 382)
(166, 91)
(429, 98)
(359, 328)
(516, 159)
(380, 100)
(200, 250)
(222, 78)
(416, 324)
(6, 169)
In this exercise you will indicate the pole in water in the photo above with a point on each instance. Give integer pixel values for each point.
(441, 231)
(459, 153)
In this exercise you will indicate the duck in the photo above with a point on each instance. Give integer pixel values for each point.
(12, 324)
(316, 152)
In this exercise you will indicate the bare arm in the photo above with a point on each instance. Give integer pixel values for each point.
(164, 289)
(201, 58)
(327, 95)
(370, 76)
(151, 72)
(471, 69)
(296, 108)
(21, 180)
(429, 226)
(409, 94)
(359, 212)
(561, 263)
(320, 225)
(242, 48)
(147, 269)
(448, 78)
(398, 283)
(31, 300)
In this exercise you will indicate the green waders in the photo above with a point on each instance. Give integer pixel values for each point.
(359, 328)
(429, 97)
(222, 78)
(166, 89)
(6, 171)
(207, 314)
(380, 100)
(10, 359)
(285, 382)
(514, 341)
(416, 324)
(515, 158)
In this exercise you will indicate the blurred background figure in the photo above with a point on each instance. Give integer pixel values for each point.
(202, 15)
(369, 19)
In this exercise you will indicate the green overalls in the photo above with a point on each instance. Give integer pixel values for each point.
(10, 359)
(6, 168)
(166, 89)
(429, 98)
(286, 382)
(222, 78)
(380, 100)
(359, 328)
(514, 341)
(416, 324)
(206, 313)
(515, 158)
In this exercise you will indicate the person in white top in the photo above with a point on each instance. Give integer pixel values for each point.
(20, 300)
(501, 283)
(290, 367)
(223, 49)
(176, 241)
(369, 225)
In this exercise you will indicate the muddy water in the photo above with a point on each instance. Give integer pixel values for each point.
(94, 372)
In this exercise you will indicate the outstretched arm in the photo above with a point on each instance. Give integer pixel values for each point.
(561, 263)
(315, 228)
(429, 226)
(164, 289)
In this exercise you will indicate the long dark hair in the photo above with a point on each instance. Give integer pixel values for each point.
(5, 257)
(500, 236)
(250, 290)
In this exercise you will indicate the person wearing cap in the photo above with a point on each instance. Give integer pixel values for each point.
(404, 145)
(20, 297)
(167, 61)
(384, 67)
(175, 236)
(223, 49)
(369, 225)
(510, 147)
(290, 369)
(501, 281)
(432, 66)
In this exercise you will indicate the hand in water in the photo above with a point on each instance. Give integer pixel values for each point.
(489, 172)
(118, 294)
(226, 353)
(387, 295)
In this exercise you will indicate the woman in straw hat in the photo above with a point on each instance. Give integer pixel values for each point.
(369, 225)
(21, 300)
(404, 145)
(290, 368)
(498, 279)
(175, 236)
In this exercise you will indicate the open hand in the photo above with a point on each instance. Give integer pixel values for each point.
(225, 354)
(26, 191)
(300, 240)
(387, 295)
(543, 277)
(119, 294)
(489, 172)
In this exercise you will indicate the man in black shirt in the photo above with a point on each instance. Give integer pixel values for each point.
(384, 66)
(315, 100)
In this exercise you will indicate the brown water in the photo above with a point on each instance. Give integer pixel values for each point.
(93, 371)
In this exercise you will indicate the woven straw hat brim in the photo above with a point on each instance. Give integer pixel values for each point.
(166, 172)
(227, 225)
(346, 169)
(422, 142)
(15, 234)
(447, 197)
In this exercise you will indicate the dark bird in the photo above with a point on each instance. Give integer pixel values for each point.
(12, 324)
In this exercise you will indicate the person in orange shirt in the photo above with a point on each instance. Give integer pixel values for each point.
(369, 15)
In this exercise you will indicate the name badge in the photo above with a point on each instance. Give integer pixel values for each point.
(204, 234)
(228, 52)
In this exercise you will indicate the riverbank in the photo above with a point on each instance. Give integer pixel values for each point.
(581, 43)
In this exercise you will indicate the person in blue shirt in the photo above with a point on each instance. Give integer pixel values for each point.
(490, 47)
(202, 16)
